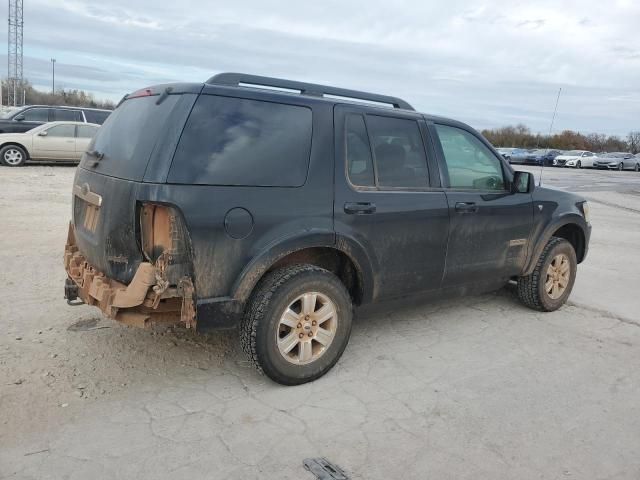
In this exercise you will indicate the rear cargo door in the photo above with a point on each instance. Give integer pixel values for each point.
(143, 130)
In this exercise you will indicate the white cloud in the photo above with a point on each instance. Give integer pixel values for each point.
(488, 63)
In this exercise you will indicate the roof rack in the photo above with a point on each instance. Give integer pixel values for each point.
(247, 80)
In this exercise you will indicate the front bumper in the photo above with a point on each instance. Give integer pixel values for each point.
(147, 300)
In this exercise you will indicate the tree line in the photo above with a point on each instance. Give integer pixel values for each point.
(521, 136)
(28, 95)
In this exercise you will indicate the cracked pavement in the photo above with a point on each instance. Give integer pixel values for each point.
(477, 387)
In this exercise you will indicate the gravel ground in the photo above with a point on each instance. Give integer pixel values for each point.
(472, 388)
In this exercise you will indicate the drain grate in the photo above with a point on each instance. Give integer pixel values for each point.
(323, 469)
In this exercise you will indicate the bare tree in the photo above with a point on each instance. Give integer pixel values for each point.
(633, 141)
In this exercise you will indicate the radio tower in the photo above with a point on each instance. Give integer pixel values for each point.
(14, 56)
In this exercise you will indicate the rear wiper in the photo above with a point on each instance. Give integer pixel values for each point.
(97, 155)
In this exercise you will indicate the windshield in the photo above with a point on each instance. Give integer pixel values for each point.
(9, 112)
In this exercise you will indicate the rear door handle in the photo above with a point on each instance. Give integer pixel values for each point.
(466, 207)
(359, 208)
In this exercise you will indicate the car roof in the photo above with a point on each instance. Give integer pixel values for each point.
(275, 89)
(62, 122)
(68, 107)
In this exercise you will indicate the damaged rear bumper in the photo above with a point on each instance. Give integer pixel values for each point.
(147, 300)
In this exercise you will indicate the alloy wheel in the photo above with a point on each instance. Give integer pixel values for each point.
(558, 275)
(306, 328)
(13, 157)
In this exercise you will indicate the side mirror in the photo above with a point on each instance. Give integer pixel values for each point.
(19, 118)
(43, 134)
(523, 182)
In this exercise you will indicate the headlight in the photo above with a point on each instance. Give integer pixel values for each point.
(585, 211)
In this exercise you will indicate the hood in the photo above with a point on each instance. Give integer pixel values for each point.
(567, 157)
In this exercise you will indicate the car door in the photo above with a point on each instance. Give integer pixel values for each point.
(490, 227)
(84, 134)
(587, 159)
(385, 200)
(57, 142)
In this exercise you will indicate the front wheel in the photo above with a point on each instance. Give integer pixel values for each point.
(637, 167)
(620, 166)
(13, 156)
(297, 324)
(549, 285)
(579, 164)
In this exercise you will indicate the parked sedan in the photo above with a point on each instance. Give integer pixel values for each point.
(505, 152)
(518, 155)
(49, 142)
(617, 161)
(542, 156)
(575, 158)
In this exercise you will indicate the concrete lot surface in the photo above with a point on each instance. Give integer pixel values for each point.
(474, 388)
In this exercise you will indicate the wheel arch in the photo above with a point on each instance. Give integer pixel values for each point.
(16, 144)
(344, 257)
(572, 228)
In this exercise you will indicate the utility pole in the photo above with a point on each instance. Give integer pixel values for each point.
(53, 76)
(14, 54)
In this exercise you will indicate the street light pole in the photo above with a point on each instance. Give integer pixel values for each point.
(53, 76)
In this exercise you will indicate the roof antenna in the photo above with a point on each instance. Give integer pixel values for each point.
(549, 136)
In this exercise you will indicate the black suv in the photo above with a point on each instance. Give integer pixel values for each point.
(26, 118)
(278, 206)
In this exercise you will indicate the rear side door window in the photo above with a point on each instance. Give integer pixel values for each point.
(242, 142)
(64, 115)
(470, 164)
(386, 152)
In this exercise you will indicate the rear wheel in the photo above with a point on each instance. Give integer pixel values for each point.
(551, 282)
(637, 167)
(297, 324)
(13, 156)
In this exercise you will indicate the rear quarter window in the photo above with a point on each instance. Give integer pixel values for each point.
(233, 141)
(96, 117)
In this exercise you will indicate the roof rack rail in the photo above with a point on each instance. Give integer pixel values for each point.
(247, 80)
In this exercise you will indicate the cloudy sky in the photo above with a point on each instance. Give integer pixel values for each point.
(489, 63)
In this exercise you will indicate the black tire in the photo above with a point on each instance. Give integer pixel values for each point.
(260, 325)
(579, 164)
(637, 167)
(620, 166)
(11, 151)
(531, 289)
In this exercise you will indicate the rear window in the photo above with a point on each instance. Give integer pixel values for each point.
(96, 117)
(128, 136)
(232, 141)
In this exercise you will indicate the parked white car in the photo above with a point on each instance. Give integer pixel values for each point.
(52, 141)
(575, 158)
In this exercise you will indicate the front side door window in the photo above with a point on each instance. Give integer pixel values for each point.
(470, 164)
(36, 115)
